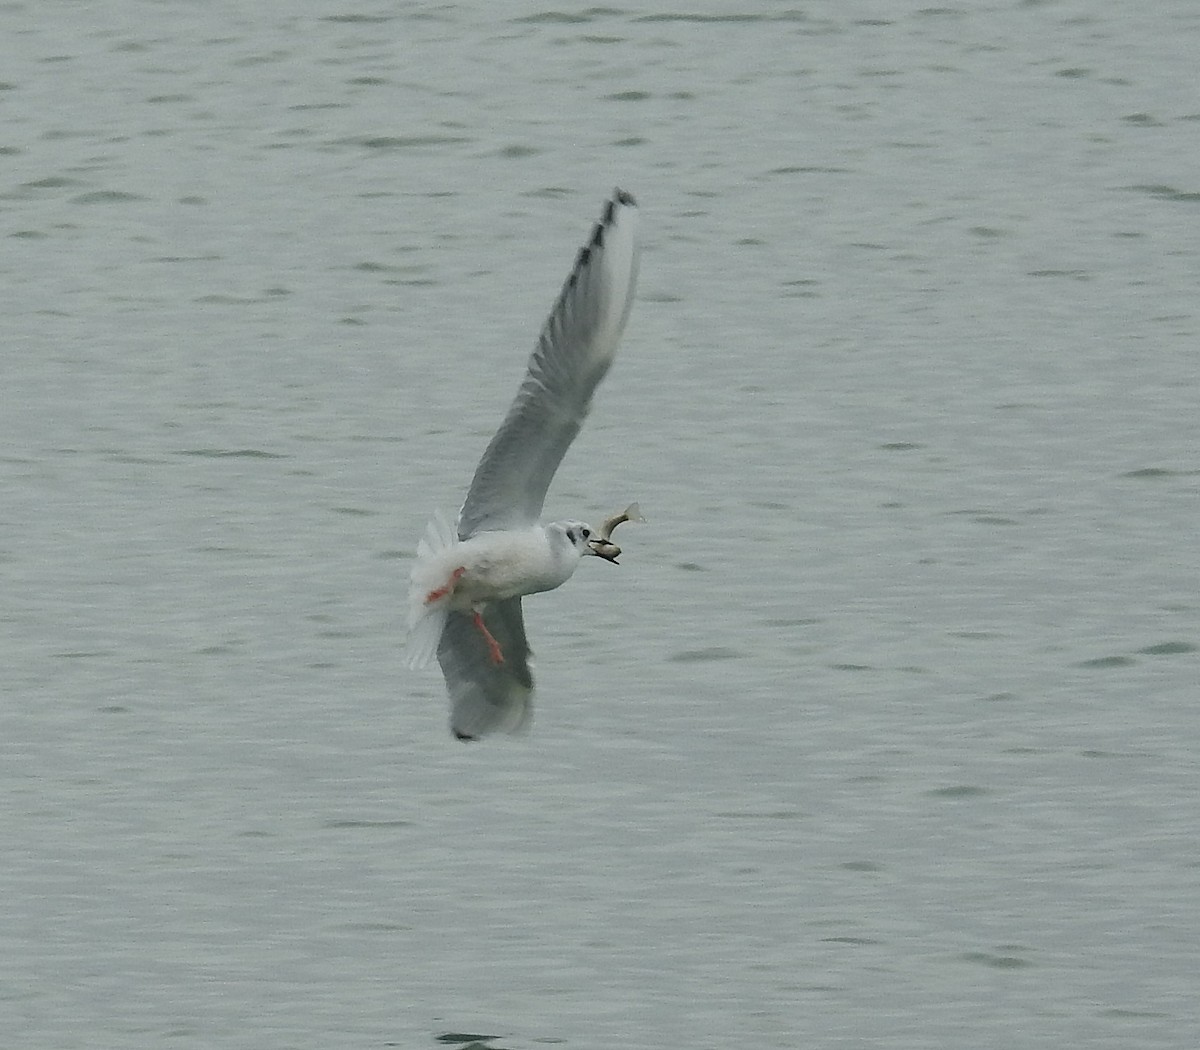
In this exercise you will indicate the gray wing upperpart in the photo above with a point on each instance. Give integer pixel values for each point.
(573, 354)
(484, 696)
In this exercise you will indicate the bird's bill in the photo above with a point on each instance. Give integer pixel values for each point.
(604, 549)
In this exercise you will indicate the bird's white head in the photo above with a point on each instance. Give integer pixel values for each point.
(585, 540)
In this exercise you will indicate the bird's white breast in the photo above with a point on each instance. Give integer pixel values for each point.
(503, 565)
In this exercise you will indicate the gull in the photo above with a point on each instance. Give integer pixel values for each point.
(467, 581)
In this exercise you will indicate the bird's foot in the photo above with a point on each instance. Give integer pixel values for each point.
(494, 650)
(441, 592)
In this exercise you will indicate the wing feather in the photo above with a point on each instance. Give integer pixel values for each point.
(576, 348)
(487, 697)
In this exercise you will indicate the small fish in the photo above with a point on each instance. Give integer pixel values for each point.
(602, 544)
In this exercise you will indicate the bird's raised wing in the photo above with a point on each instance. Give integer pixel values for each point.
(574, 352)
(486, 696)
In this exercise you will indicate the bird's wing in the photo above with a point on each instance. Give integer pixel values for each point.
(485, 696)
(574, 352)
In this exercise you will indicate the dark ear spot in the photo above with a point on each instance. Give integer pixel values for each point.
(571, 535)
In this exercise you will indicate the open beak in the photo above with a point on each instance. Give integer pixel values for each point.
(605, 549)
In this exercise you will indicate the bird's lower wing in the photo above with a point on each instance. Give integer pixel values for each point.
(486, 697)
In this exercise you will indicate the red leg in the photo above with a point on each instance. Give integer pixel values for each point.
(494, 650)
(441, 592)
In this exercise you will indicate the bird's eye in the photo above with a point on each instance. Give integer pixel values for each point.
(587, 533)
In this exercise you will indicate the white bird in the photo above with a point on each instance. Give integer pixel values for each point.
(467, 582)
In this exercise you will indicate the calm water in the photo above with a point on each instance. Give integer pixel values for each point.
(885, 733)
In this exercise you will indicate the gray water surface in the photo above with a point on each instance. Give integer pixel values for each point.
(883, 735)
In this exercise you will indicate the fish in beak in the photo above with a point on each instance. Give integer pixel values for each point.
(604, 549)
(601, 545)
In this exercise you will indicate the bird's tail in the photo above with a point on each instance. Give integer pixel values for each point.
(426, 618)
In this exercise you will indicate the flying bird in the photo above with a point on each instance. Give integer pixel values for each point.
(468, 580)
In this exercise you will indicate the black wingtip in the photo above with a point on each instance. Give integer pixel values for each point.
(619, 196)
